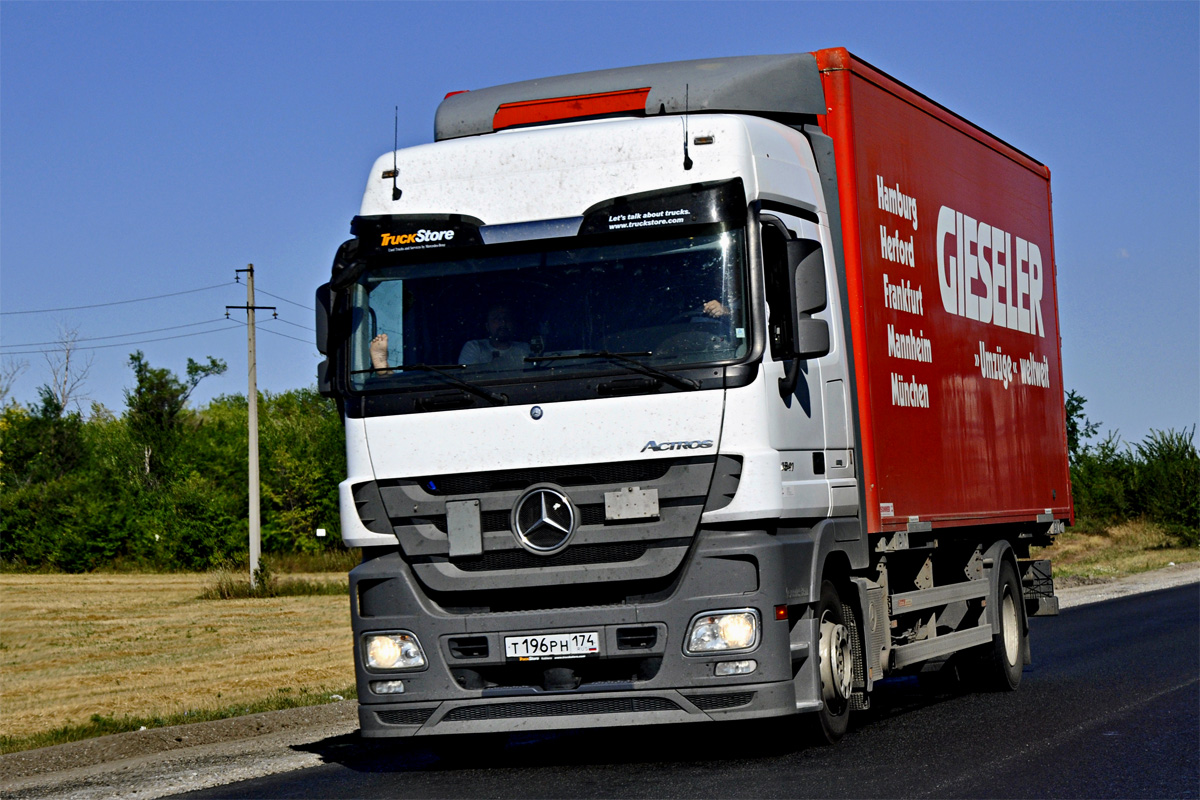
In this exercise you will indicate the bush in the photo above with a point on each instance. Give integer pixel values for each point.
(1167, 482)
(163, 486)
(1157, 480)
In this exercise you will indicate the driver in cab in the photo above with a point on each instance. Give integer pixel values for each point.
(497, 350)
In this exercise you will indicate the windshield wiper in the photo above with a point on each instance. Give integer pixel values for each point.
(626, 358)
(440, 369)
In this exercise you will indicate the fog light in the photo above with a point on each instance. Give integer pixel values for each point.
(726, 668)
(723, 631)
(394, 651)
(387, 687)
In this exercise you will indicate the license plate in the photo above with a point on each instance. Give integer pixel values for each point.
(546, 646)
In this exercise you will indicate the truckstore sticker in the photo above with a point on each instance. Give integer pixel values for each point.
(419, 240)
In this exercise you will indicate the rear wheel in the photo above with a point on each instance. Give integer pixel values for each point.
(835, 662)
(1002, 661)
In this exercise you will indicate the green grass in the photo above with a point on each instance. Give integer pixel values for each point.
(100, 725)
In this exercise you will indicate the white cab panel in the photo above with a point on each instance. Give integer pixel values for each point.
(578, 432)
(558, 171)
(358, 470)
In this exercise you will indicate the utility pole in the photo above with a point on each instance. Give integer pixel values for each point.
(252, 401)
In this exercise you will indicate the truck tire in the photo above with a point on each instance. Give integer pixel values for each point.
(835, 665)
(1002, 661)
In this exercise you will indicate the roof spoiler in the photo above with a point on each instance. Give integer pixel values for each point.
(783, 87)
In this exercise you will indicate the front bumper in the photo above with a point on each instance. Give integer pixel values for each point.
(466, 689)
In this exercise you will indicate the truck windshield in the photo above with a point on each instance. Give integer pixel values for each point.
(666, 303)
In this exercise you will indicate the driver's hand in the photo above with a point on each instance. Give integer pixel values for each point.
(714, 309)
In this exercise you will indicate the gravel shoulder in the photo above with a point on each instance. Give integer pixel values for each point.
(166, 761)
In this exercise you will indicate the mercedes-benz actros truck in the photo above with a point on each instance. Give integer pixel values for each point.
(707, 390)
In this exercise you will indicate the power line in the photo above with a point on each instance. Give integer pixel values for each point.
(114, 336)
(277, 333)
(115, 302)
(123, 344)
(294, 324)
(284, 299)
(293, 338)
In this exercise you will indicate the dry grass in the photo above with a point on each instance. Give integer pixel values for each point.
(1090, 553)
(72, 646)
(229, 583)
(144, 645)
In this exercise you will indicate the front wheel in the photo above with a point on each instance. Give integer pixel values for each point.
(835, 660)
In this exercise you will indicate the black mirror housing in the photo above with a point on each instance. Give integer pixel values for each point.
(324, 308)
(812, 338)
(806, 270)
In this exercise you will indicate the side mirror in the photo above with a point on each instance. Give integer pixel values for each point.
(810, 337)
(326, 369)
(324, 308)
(806, 270)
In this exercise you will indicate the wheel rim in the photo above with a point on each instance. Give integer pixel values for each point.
(1009, 623)
(836, 662)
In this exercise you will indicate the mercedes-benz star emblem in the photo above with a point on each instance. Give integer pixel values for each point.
(543, 520)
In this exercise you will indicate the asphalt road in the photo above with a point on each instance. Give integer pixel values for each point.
(1110, 708)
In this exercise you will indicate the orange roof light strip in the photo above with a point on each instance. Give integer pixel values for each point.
(526, 112)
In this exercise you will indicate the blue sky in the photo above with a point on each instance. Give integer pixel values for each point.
(147, 149)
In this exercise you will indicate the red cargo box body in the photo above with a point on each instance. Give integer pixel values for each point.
(949, 258)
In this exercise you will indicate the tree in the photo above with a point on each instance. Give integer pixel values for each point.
(154, 406)
(67, 373)
(41, 443)
(1079, 427)
(9, 372)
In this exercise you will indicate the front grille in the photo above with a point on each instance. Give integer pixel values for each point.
(404, 716)
(580, 554)
(519, 479)
(716, 702)
(490, 521)
(561, 708)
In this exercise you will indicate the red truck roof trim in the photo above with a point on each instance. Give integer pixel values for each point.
(839, 58)
(527, 112)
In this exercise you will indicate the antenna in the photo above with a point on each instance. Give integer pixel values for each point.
(395, 146)
(687, 162)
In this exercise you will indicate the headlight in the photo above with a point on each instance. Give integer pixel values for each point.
(723, 631)
(394, 651)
